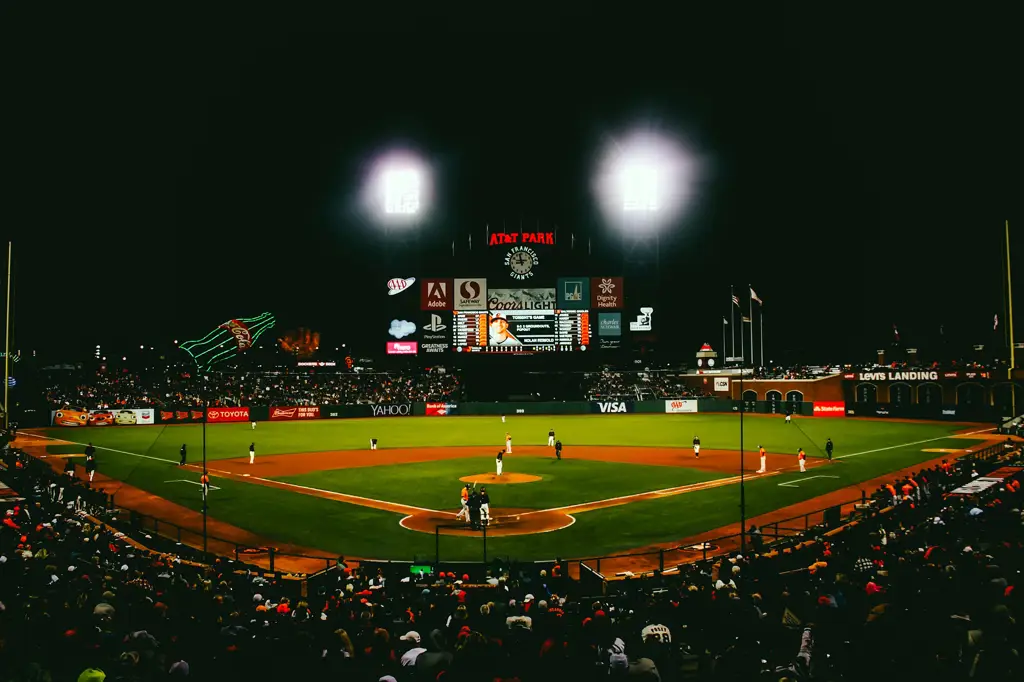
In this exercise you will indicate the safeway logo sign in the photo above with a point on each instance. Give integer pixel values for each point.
(471, 294)
(829, 409)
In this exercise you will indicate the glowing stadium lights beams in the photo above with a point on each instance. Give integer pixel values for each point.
(398, 188)
(645, 180)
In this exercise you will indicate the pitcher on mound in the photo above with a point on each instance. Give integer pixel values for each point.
(497, 461)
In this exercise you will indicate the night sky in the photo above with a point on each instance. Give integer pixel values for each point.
(162, 174)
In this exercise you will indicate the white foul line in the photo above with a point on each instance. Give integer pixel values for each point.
(918, 442)
(793, 483)
(100, 447)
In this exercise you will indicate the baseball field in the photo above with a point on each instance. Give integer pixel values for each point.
(624, 482)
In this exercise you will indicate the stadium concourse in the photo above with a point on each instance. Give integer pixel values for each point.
(928, 585)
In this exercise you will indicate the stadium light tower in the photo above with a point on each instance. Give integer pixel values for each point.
(644, 183)
(398, 190)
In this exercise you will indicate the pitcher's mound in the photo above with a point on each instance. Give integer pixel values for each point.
(494, 479)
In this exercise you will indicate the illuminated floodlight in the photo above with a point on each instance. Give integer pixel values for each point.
(645, 180)
(401, 190)
(398, 189)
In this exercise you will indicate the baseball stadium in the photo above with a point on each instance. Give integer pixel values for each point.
(513, 382)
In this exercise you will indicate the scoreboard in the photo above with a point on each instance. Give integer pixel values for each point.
(521, 331)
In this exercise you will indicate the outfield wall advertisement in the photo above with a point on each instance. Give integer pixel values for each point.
(181, 416)
(297, 412)
(611, 407)
(680, 406)
(829, 409)
(220, 415)
(441, 409)
(364, 411)
(76, 417)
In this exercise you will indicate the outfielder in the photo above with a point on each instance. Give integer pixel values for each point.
(252, 452)
(502, 419)
(789, 417)
(802, 458)
(508, 442)
(373, 443)
(253, 424)
(485, 507)
(464, 501)
(551, 438)
(696, 447)
(764, 459)
(497, 461)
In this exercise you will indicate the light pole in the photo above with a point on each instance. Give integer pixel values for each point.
(206, 409)
(743, 491)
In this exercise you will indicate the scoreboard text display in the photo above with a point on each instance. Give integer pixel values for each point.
(520, 321)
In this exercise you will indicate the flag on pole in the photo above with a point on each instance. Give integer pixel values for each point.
(724, 321)
(895, 331)
(753, 295)
(995, 322)
(736, 300)
(744, 318)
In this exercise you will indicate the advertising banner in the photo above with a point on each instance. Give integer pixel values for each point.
(75, 417)
(403, 347)
(185, 415)
(441, 409)
(573, 293)
(217, 415)
(829, 409)
(520, 299)
(436, 294)
(609, 324)
(402, 410)
(470, 294)
(611, 407)
(436, 332)
(297, 412)
(680, 407)
(722, 384)
(606, 293)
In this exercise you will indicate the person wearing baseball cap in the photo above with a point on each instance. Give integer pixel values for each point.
(499, 332)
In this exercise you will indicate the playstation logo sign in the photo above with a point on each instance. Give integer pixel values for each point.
(435, 324)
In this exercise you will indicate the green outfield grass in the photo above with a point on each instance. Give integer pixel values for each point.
(145, 458)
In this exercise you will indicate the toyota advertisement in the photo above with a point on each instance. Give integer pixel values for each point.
(441, 409)
(298, 412)
(830, 409)
(218, 415)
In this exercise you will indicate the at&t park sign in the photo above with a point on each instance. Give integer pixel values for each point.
(507, 238)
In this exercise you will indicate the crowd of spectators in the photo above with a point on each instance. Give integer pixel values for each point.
(180, 387)
(927, 589)
(642, 385)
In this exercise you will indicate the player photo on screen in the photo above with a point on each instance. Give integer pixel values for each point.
(499, 333)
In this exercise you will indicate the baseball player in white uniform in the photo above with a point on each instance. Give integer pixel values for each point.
(789, 417)
(252, 452)
(502, 419)
(764, 460)
(498, 461)
(508, 443)
(254, 425)
(696, 447)
(551, 438)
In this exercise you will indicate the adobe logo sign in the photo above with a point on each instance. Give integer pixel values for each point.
(436, 294)
(829, 409)
(403, 348)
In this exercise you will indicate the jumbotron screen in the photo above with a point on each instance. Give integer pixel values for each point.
(521, 321)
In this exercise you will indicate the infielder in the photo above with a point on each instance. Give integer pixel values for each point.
(253, 424)
(497, 461)
(764, 459)
(696, 447)
(252, 452)
(464, 501)
(551, 438)
(90, 466)
(485, 507)
(802, 458)
(373, 443)
(508, 442)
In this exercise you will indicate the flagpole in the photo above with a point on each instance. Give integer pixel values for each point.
(1009, 298)
(751, 326)
(761, 311)
(7, 341)
(732, 319)
(723, 335)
